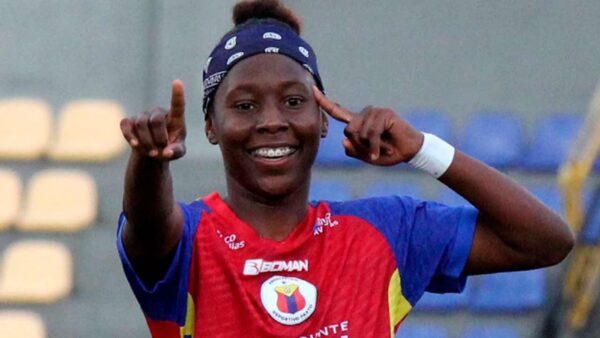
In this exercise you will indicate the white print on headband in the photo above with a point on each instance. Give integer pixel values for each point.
(234, 57)
(303, 51)
(214, 79)
(308, 68)
(271, 50)
(271, 35)
(207, 64)
(230, 43)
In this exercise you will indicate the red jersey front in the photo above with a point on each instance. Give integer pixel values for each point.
(350, 269)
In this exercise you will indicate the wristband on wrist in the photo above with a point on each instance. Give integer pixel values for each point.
(434, 157)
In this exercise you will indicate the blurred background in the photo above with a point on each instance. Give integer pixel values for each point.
(509, 82)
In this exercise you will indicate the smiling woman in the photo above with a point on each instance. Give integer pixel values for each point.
(263, 261)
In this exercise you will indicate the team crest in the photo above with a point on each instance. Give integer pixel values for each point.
(288, 300)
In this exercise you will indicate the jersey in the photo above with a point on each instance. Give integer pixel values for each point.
(350, 269)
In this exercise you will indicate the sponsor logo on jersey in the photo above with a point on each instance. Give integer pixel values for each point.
(231, 240)
(332, 330)
(288, 300)
(322, 223)
(253, 267)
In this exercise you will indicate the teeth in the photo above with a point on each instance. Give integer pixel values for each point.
(274, 152)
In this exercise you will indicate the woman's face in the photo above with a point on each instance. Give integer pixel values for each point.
(268, 126)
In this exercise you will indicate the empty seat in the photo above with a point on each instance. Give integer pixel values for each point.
(35, 271)
(395, 188)
(421, 330)
(25, 126)
(331, 151)
(494, 138)
(10, 197)
(432, 122)
(551, 141)
(21, 324)
(491, 331)
(330, 190)
(59, 200)
(508, 292)
(88, 130)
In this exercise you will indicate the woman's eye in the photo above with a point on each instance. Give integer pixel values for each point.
(294, 102)
(244, 106)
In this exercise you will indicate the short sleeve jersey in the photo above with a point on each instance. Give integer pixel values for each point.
(350, 269)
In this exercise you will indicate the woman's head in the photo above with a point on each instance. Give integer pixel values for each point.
(261, 110)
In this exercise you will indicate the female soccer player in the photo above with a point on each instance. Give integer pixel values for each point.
(264, 262)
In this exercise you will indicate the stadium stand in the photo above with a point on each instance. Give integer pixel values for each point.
(88, 130)
(62, 200)
(431, 121)
(10, 197)
(21, 324)
(508, 292)
(331, 152)
(394, 188)
(494, 138)
(25, 128)
(35, 271)
(551, 140)
(330, 190)
(491, 331)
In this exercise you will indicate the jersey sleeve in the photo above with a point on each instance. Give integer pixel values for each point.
(166, 300)
(431, 242)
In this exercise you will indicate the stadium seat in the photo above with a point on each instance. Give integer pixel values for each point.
(10, 197)
(21, 324)
(25, 126)
(549, 194)
(88, 131)
(552, 137)
(35, 271)
(59, 200)
(494, 138)
(331, 151)
(508, 292)
(491, 331)
(330, 190)
(394, 188)
(432, 122)
(421, 330)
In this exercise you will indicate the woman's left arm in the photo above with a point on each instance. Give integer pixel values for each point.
(514, 230)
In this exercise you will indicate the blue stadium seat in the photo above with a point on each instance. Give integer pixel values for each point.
(331, 151)
(494, 138)
(330, 190)
(411, 189)
(549, 194)
(491, 331)
(551, 140)
(435, 302)
(590, 233)
(422, 330)
(432, 122)
(449, 197)
(508, 292)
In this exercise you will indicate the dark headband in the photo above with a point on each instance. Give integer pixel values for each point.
(259, 38)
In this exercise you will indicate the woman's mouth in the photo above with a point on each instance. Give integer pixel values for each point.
(273, 152)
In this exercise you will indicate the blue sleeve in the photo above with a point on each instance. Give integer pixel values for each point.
(166, 300)
(431, 242)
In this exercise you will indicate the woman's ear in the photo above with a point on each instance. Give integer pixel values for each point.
(209, 131)
(324, 123)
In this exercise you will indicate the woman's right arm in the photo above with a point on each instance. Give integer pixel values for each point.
(154, 219)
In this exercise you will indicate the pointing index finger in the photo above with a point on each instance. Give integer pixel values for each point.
(333, 109)
(177, 100)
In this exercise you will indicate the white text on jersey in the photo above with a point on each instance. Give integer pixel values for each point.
(253, 267)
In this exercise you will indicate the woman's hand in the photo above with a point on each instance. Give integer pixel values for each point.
(158, 133)
(375, 135)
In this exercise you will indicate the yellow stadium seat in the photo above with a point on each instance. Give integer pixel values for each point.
(61, 200)
(35, 271)
(10, 197)
(21, 324)
(88, 130)
(25, 126)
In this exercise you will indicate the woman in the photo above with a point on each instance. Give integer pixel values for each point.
(263, 261)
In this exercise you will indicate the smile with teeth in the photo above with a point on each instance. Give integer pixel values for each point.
(277, 152)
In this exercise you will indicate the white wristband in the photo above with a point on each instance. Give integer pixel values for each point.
(434, 157)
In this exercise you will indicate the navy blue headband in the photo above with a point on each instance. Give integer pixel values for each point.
(262, 37)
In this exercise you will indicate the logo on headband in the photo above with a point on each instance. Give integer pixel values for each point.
(234, 57)
(303, 51)
(230, 43)
(271, 35)
(271, 50)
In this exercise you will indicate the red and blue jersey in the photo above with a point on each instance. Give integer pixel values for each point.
(350, 269)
